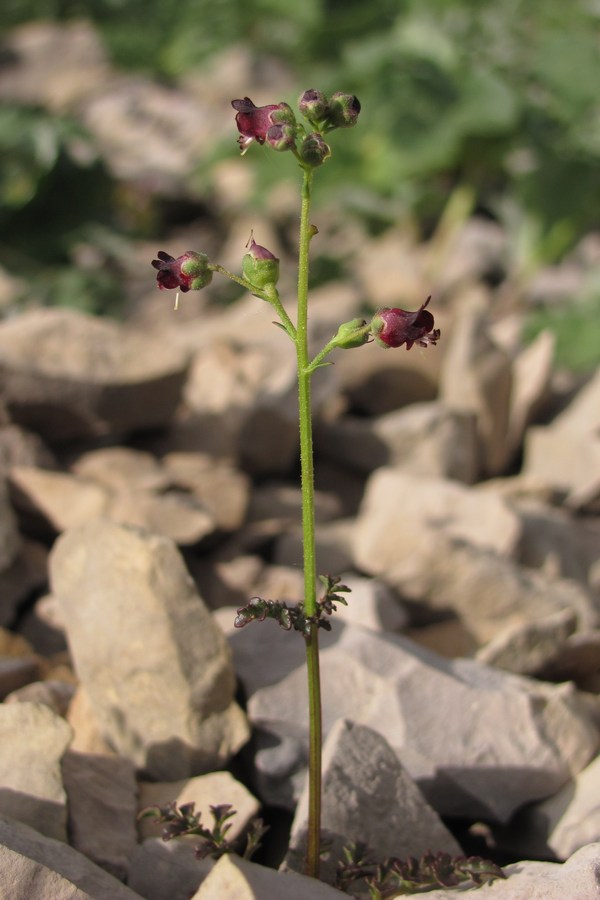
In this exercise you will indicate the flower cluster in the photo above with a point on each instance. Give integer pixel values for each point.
(276, 125)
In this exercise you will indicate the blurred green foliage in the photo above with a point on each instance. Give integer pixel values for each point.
(502, 98)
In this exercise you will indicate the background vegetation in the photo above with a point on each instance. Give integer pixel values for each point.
(497, 100)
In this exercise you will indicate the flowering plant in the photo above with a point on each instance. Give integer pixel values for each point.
(275, 126)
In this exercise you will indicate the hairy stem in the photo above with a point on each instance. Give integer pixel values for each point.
(308, 534)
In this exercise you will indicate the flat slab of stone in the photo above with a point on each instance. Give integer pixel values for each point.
(112, 380)
(35, 867)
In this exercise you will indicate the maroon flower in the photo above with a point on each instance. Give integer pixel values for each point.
(188, 272)
(253, 122)
(394, 327)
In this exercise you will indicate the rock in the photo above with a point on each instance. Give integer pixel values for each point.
(159, 870)
(423, 438)
(367, 796)
(50, 502)
(333, 546)
(219, 488)
(27, 573)
(532, 371)
(175, 516)
(121, 468)
(528, 648)
(33, 741)
(16, 672)
(457, 726)
(445, 554)
(101, 793)
(578, 878)
(399, 513)
(87, 736)
(566, 453)
(51, 65)
(477, 250)
(562, 824)
(23, 448)
(577, 659)
(111, 381)
(43, 626)
(233, 878)
(371, 604)
(55, 694)
(477, 378)
(157, 670)
(10, 543)
(30, 862)
(203, 791)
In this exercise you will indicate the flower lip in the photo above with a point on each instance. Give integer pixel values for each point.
(392, 327)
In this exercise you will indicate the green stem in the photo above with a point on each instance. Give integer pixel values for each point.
(308, 534)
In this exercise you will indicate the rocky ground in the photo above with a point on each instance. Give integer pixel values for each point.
(149, 488)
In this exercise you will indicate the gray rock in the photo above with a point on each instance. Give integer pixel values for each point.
(113, 380)
(578, 878)
(424, 439)
(447, 550)
(367, 796)
(219, 488)
(233, 878)
(119, 468)
(33, 866)
(101, 792)
(33, 741)
(157, 670)
(562, 824)
(159, 870)
(478, 742)
(528, 648)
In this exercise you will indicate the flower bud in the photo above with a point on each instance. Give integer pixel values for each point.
(281, 137)
(351, 334)
(189, 272)
(343, 110)
(394, 327)
(314, 106)
(314, 150)
(259, 266)
(283, 114)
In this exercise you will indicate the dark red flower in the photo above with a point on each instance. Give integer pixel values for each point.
(253, 122)
(394, 327)
(189, 272)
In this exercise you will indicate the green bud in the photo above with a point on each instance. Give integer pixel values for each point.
(314, 150)
(351, 334)
(259, 266)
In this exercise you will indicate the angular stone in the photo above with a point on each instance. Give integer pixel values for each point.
(33, 866)
(101, 792)
(532, 371)
(458, 727)
(203, 791)
(173, 516)
(26, 574)
(562, 824)
(111, 381)
(121, 468)
(528, 648)
(219, 488)
(33, 741)
(55, 694)
(10, 543)
(50, 502)
(233, 878)
(157, 670)
(170, 869)
(423, 438)
(367, 796)
(477, 378)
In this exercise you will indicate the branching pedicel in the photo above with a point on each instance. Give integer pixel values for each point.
(275, 126)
